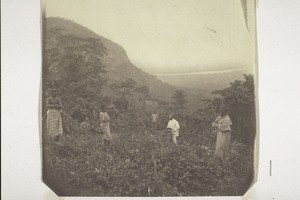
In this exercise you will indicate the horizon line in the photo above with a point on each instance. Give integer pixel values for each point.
(202, 72)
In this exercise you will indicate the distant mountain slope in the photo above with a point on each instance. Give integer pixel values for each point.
(119, 68)
(117, 63)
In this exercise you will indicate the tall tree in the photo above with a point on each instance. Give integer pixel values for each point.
(123, 91)
(239, 99)
(75, 59)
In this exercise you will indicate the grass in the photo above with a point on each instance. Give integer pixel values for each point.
(143, 163)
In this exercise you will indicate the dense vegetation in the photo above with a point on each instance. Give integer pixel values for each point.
(139, 162)
(143, 163)
(239, 99)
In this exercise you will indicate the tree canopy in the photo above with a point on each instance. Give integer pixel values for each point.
(239, 100)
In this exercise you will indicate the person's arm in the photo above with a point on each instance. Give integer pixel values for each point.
(48, 103)
(101, 117)
(169, 126)
(59, 104)
(108, 118)
(226, 124)
(230, 122)
(177, 126)
(215, 124)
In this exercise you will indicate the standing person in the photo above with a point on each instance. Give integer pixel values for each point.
(154, 118)
(105, 125)
(174, 127)
(54, 121)
(222, 123)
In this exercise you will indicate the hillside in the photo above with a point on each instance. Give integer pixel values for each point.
(89, 71)
(117, 64)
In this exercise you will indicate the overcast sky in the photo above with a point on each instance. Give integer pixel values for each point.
(169, 36)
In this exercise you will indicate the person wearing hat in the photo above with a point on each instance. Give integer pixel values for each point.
(54, 121)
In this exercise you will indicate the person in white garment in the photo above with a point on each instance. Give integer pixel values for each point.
(222, 124)
(174, 127)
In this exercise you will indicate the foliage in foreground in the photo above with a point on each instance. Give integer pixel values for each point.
(143, 163)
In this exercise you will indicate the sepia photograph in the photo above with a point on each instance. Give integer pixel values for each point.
(149, 98)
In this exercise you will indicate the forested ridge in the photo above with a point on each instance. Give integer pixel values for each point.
(89, 71)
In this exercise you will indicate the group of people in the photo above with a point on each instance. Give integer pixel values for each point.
(54, 120)
(54, 124)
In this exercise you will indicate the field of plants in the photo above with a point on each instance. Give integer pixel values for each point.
(141, 162)
(89, 71)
